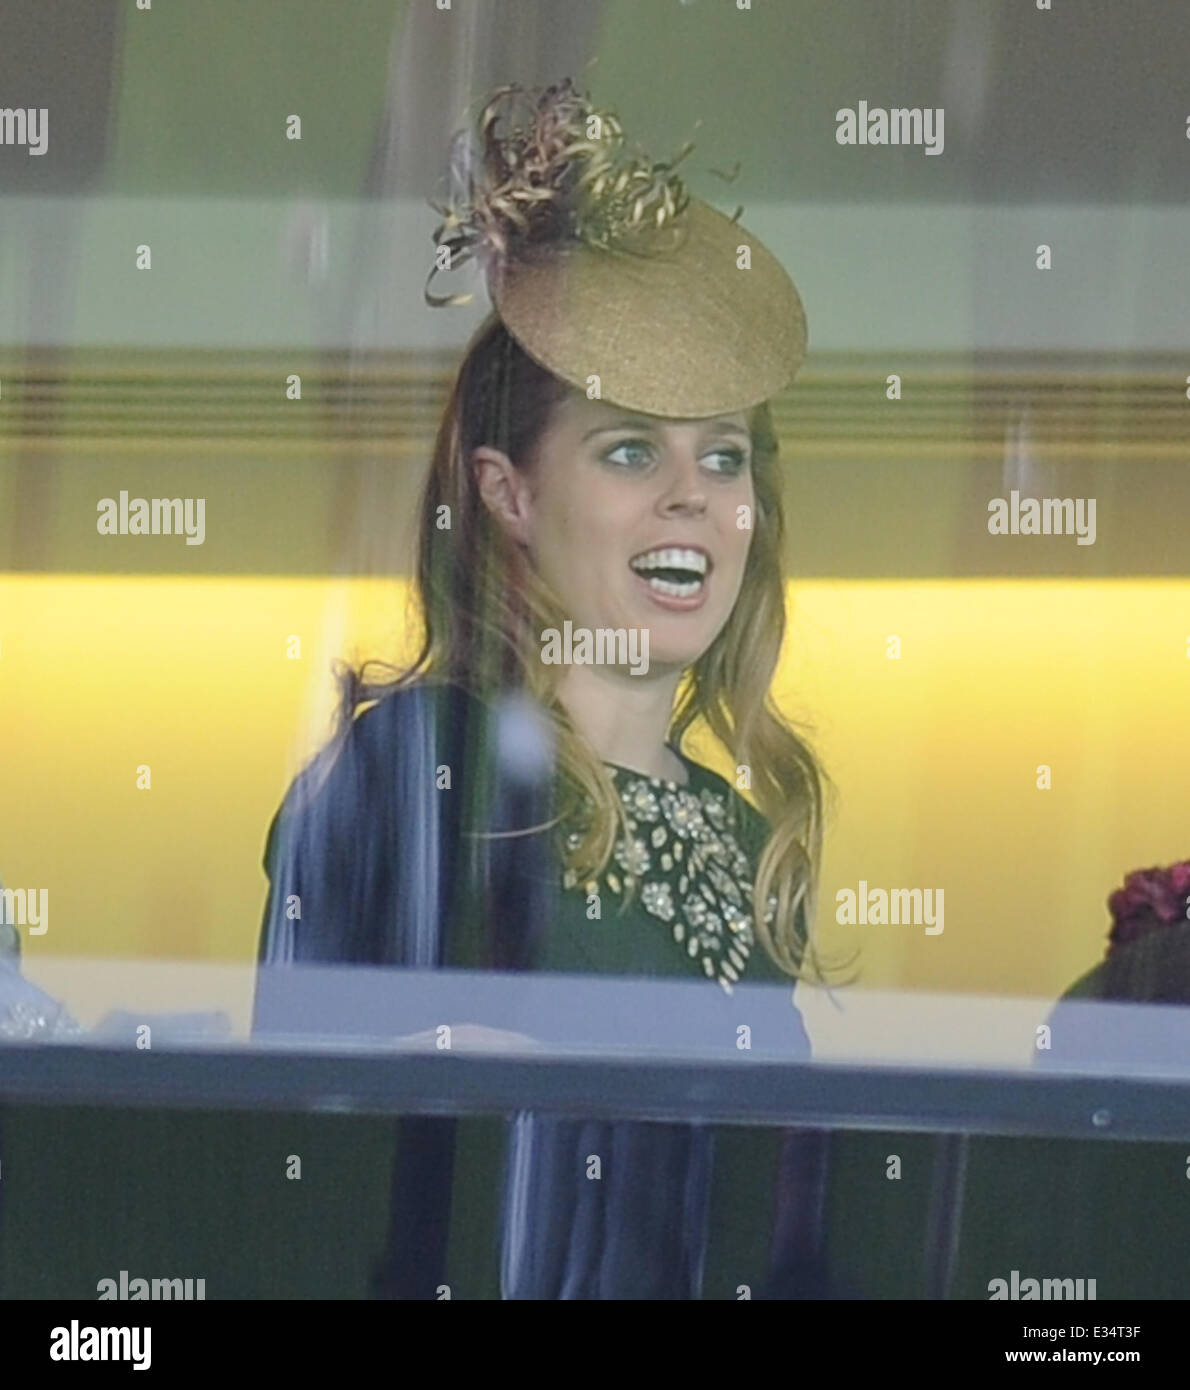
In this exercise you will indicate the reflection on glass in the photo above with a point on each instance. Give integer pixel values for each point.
(599, 572)
(524, 1022)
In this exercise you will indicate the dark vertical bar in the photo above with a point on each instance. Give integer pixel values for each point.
(945, 1218)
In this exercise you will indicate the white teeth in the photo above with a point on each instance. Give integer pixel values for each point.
(665, 586)
(681, 573)
(671, 558)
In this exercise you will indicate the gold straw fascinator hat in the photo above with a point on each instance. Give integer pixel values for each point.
(602, 267)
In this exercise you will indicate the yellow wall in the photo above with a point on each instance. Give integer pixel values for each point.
(935, 755)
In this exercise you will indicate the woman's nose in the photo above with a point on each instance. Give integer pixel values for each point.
(685, 486)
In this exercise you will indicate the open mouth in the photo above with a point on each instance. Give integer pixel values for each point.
(676, 571)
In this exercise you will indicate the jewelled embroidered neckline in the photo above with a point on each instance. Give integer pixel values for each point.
(685, 864)
(615, 768)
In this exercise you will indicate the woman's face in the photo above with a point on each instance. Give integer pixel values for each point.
(640, 522)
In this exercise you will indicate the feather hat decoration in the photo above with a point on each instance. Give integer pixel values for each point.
(606, 271)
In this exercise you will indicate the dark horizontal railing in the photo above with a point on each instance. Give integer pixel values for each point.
(812, 1094)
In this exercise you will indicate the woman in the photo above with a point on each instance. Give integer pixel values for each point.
(605, 464)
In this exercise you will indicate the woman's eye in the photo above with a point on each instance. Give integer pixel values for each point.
(632, 453)
(638, 453)
(730, 461)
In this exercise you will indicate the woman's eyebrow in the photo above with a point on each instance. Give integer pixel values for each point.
(626, 422)
(643, 423)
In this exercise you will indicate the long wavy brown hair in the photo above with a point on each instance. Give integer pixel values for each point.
(483, 608)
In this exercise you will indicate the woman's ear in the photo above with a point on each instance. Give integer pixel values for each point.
(505, 492)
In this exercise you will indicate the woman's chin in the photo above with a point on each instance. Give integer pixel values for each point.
(675, 651)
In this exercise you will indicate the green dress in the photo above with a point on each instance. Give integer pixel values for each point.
(689, 856)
